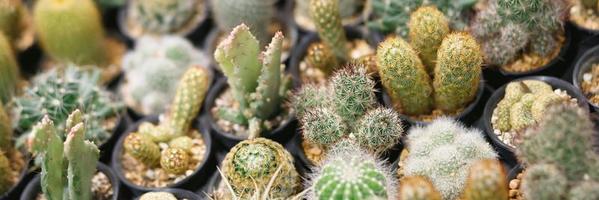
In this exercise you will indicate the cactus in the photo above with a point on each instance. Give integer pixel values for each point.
(325, 15)
(372, 130)
(174, 160)
(585, 190)
(162, 16)
(67, 168)
(443, 152)
(153, 70)
(404, 77)
(250, 164)
(9, 70)
(256, 14)
(71, 31)
(590, 4)
(60, 91)
(5, 173)
(320, 56)
(428, 28)
(255, 78)
(486, 181)
(142, 149)
(183, 142)
(349, 173)
(6, 133)
(157, 196)
(417, 188)
(544, 181)
(12, 13)
(353, 94)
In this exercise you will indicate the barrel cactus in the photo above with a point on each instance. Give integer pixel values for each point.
(153, 69)
(160, 17)
(428, 28)
(325, 14)
(9, 70)
(256, 14)
(486, 181)
(443, 152)
(417, 188)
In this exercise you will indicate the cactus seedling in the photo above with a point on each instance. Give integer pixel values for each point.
(9, 70)
(417, 188)
(256, 14)
(325, 15)
(486, 181)
(162, 16)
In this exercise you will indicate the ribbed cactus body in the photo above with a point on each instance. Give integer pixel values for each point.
(417, 188)
(428, 27)
(71, 31)
(9, 70)
(142, 149)
(404, 76)
(162, 16)
(251, 164)
(188, 100)
(457, 73)
(11, 13)
(353, 94)
(486, 181)
(544, 182)
(326, 17)
(5, 173)
(174, 160)
(256, 14)
(323, 126)
(321, 57)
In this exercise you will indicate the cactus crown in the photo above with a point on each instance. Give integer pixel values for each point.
(254, 77)
(58, 92)
(153, 70)
(162, 16)
(443, 152)
(67, 167)
(351, 111)
(256, 14)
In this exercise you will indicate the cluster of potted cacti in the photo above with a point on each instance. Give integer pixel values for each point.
(299, 99)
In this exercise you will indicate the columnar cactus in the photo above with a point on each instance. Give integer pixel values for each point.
(255, 78)
(251, 165)
(320, 56)
(486, 181)
(443, 152)
(58, 92)
(71, 31)
(9, 70)
(162, 16)
(67, 168)
(256, 14)
(428, 27)
(417, 188)
(153, 69)
(325, 15)
(11, 16)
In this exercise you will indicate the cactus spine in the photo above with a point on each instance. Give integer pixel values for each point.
(71, 31)
(162, 16)
(428, 27)
(256, 14)
(417, 188)
(9, 70)
(486, 181)
(325, 15)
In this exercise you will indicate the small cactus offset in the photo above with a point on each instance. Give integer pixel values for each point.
(142, 149)
(428, 27)
(162, 16)
(320, 56)
(325, 15)
(251, 164)
(71, 31)
(417, 188)
(256, 14)
(188, 99)
(9, 70)
(486, 181)
(174, 160)
(353, 94)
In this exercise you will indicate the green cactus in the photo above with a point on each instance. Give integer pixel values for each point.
(256, 14)
(183, 142)
(585, 190)
(372, 130)
(428, 28)
(162, 16)
(353, 94)
(9, 70)
(486, 181)
(188, 100)
(5, 173)
(323, 126)
(320, 56)
(325, 15)
(404, 77)
(255, 78)
(6, 133)
(153, 70)
(142, 149)
(12, 13)
(417, 188)
(71, 31)
(158, 196)
(443, 152)
(67, 168)
(174, 160)
(250, 164)
(308, 98)
(544, 182)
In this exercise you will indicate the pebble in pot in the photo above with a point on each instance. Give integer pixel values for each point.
(170, 194)
(12, 162)
(586, 76)
(585, 15)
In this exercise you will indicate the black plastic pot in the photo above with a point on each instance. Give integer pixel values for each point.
(24, 177)
(121, 126)
(196, 179)
(505, 151)
(179, 194)
(34, 188)
(513, 173)
(583, 65)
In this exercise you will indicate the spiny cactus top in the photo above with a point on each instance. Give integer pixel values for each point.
(251, 165)
(256, 14)
(60, 91)
(428, 27)
(443, 152)
(9, 71)
(326, 17)
(153, 69)
(162, 16)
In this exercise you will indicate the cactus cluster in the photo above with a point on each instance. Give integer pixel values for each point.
(347, 108)
(506, 28)
(67, 167)
(255, 79)
(62, 90)
(176, 159)
(9, 70)
(486, 181)
(560, 157)
(153, 69)
(162, 16)
(256, 164)
(450, 84)
(256, 14)
(443, 152)
(12, 16)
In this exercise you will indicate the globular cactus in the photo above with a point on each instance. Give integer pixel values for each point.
(6, 181)
(353, 94)
(174, 160)
(404, 77)
(544, 182)
(142, 149)
(486, 181)
(428, 27)
(12, 13)
(71, 31)
(256, 14)
(457, 73)
(320, 56)
(251, 164)
(183, 142)
(255, 77)
(153, 69)
(417, 188)
(443, 152)
(323, 126)
(162, 16)
(158, 196)
(9, 70)
(74, 159)
(585, 190)
(349, 173)
(60, 91)
(326, 17)
(373, 129)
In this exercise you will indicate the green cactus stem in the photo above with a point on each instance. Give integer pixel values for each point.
(162, 16)
(174, 160)
(428, 27)
(417, 188)
(82, 157)
(326, 17)
(9, 70)
(486, 181)
(256, 14)
(188, 100)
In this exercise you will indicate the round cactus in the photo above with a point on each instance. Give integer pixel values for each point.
(353, 93)
(183, 142)
(380, 129)
(428, 27)
(174, 160)
(544, 182)
(308, 98)
(486, 181)
(162, 16)
(323, 126)
(325, 15)
(9, 70)
(142, 149)
(417, 188)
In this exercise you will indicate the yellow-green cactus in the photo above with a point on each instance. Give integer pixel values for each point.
(321, 57)
(457, 73)
(11, 15)
(417, 188)
(9, 70)
(326, 17)
(404, 77)
(188, 100)
(174, 160)
(520, 115)
(6, 133)
(142, 149)
(428, 27)
(183, 142)
(486, 181)
(5, 173)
